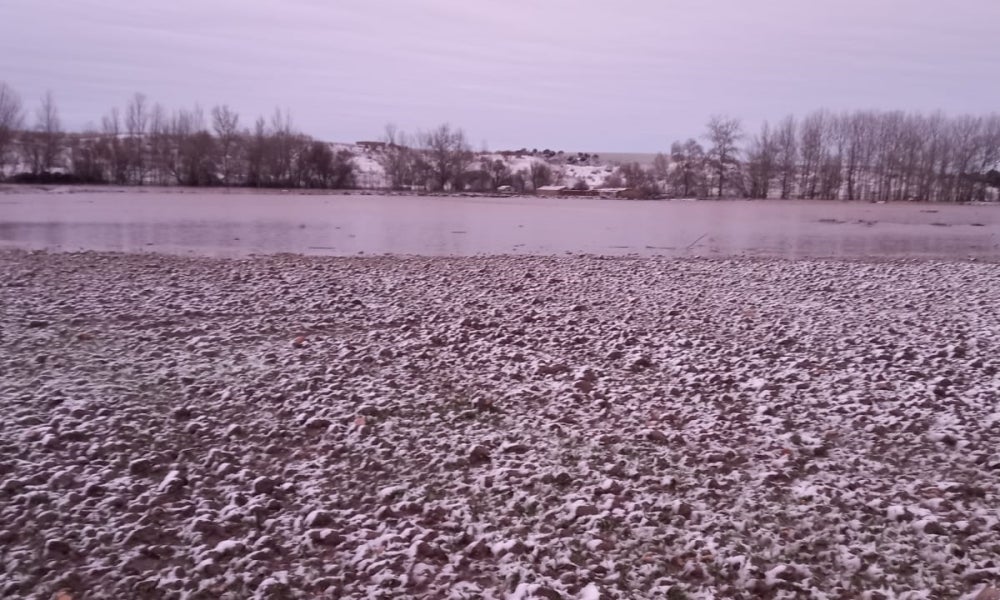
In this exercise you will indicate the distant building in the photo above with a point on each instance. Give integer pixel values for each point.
(551, 190)
(615, 192)
(370, 146)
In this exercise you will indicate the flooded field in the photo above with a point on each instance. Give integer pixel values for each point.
(219, 223)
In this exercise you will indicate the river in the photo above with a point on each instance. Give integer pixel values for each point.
(240, 223)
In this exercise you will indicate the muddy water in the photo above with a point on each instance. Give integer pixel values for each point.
(241, 223)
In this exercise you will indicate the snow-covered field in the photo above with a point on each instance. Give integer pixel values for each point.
(502, 427)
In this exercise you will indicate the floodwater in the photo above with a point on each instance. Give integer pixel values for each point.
(219, 223)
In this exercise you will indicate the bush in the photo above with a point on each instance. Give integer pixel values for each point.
(47, 178)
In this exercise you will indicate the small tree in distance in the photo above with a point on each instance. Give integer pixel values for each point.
(687, 178)
(136, 124)
(498, 172)
(42, 146)
(787, 155)
(641, 180)
(225, 123)
(447, 154)
(396, 158)
(540, 174)
(613, 180)
(11, 121)
(723, 132)
(762, 157)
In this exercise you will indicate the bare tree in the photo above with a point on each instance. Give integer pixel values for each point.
(397, 158)
(661, 168)
(345, 170)
(811, 152)
(136, 116)
(159, 144)
(136, 124)
(687, 179)
(519, 181)
(497, 172)
(762, 162)
(831, 166)
(723, 133)
(50, 126)
(112, 150)
(225, 123)
(641, 180)
(912, 147)
(316, 167)
(887, 157)
(855, 127)
(257, 151)
(11, 121)
(989, 166)
(85, 160)
(192, 150)
(932, 130)
(198, 159)
(282, 148)
(613, 179)
(966, 140)
(540, 174)
(785, 139)
(448, 155)
(43, 145)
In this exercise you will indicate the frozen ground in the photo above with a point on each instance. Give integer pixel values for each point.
(504, 427)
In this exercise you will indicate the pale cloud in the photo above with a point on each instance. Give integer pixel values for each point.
(606, 76)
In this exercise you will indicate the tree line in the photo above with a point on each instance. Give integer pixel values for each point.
(143, 144)
(442, 159)
(861, 155)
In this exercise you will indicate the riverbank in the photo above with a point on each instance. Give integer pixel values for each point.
(74, 188)
(31, 188)
(497, 427)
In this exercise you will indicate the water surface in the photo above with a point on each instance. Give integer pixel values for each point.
(220, 223)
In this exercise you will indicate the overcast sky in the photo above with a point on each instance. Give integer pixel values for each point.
(624, 75)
